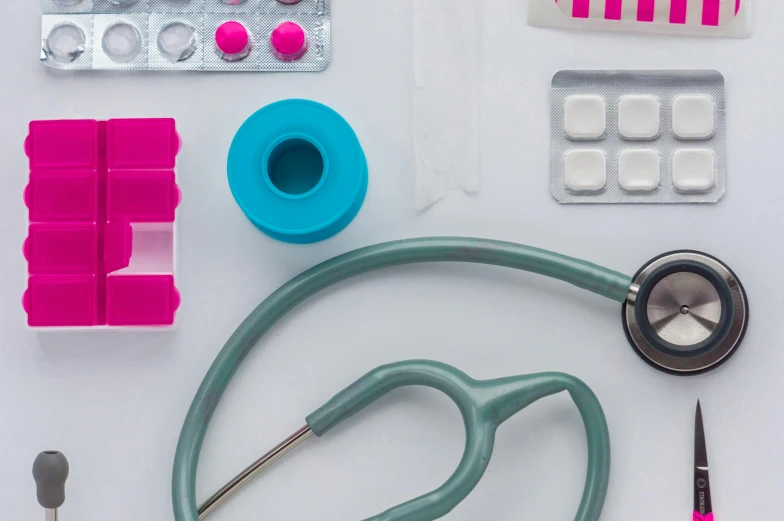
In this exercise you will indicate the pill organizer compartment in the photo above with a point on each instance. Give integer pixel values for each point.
(101, 243)
(638, 137)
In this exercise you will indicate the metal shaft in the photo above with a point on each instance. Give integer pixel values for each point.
(251, 472)
(51, 514)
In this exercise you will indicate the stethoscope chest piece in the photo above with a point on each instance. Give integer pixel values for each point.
(686, 313)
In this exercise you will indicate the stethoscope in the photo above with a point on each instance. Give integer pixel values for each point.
(684, 313)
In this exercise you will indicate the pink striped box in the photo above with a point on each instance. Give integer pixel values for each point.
(722, 18)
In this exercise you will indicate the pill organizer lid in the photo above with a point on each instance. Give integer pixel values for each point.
(61, 301)
(68, 248)
(64, 144)
(141, 300)
(142, 196)
(141, 143)
(62, 195)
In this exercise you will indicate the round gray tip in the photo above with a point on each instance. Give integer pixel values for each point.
(50, 470)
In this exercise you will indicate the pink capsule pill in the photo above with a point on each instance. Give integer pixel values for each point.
(288, 42)
(233, 41)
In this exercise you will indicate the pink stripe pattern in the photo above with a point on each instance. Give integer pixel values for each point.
(612, 9)
(678, 11)
(581, 8)
(710, 12)
(646, 10)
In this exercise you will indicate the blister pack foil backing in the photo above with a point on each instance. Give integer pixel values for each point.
(208, 35)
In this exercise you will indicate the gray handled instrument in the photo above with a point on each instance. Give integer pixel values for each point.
(50, 470)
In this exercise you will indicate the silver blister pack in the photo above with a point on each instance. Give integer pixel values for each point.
(638, 137)
(210, 35)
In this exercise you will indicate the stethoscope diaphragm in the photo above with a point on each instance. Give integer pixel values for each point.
(686, 313)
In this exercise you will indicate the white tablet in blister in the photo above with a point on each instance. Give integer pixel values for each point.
(639, 170)
(586, 170)
(693, 170)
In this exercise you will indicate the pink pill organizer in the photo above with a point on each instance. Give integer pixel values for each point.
(101, 202)
(722, 18)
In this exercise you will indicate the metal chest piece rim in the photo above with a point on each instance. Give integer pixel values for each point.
(686, 313)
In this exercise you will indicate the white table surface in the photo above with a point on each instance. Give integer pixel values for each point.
(114, 403)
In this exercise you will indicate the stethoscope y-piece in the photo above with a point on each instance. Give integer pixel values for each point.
(684, 313)
(484, 406)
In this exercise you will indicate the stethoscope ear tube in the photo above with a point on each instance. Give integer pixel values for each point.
(484, 406)
(686, 314)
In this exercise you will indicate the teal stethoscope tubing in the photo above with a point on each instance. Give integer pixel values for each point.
(603, 281)
(484, 405)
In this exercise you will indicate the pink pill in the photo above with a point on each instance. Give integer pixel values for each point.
(288, 42)
(233, 41)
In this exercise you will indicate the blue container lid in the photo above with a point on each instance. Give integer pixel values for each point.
(297, 171)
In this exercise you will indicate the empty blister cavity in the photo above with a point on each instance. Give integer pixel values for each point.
(288, 41)
(65, 43)
(585, 117)
(663, 139)
(233, 41)
(177, 41)
(66, 6)
(639, 117)
(693, 170)
(693, 117)
(586, 171)
(177, 7)
(639, 170)
(122, 7)
(122, 42)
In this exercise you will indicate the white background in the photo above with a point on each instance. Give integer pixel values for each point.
(114, 403)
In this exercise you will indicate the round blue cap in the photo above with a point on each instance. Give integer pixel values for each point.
(297, 171)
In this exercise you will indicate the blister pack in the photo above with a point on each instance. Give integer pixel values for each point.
(718, 18)
(638, 137)
(211, 35)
